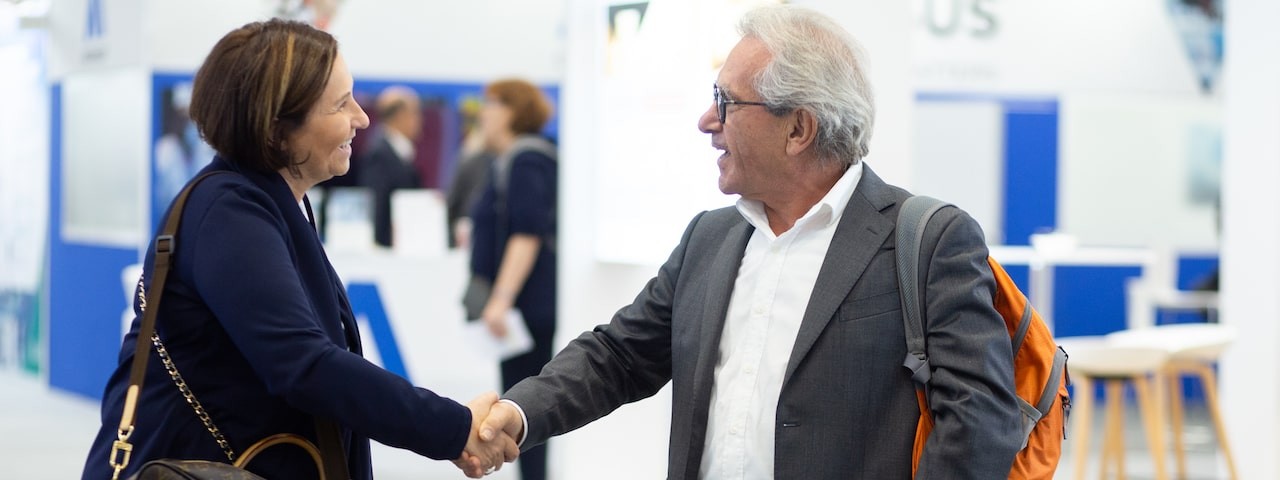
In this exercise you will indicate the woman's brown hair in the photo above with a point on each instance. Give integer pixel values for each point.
(257, 86)
(530, 109)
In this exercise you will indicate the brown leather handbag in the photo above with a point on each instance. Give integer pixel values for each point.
(169, 469)
(332, 465)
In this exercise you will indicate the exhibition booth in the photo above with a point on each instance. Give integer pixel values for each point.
(1099, 144)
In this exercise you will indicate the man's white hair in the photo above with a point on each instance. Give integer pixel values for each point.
(816, 66)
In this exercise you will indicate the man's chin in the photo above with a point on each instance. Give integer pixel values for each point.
(725, 187)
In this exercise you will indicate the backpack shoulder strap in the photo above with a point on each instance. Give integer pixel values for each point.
(913, 217)
(502, 167)
(1055, 379)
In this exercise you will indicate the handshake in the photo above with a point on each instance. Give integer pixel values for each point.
(495, 429)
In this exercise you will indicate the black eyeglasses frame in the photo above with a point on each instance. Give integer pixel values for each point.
(722, 103)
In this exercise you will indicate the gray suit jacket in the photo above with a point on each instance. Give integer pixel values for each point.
(847, 409)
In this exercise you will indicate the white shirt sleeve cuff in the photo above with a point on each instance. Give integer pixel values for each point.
(524, 432)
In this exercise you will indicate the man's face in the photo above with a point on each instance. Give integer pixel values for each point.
(752, 139)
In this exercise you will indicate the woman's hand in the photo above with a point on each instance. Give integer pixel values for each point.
(495, 315)
(480, 457)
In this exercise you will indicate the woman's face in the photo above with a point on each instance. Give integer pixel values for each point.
(323, 143)
(495, 120)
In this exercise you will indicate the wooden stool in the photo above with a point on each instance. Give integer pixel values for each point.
(1193, 348)
(1096, 359)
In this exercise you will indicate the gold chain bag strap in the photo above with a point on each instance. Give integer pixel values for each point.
(332, 465)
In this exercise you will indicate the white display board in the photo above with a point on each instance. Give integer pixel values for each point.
(103, 172)
(1131, 166)
(656, 169)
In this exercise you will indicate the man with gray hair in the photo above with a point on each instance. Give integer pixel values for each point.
(779, 322)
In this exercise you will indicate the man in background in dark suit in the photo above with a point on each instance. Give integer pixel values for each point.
(465, 189)
(388, 160)
(779, 322)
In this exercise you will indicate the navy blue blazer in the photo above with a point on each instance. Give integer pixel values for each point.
(258, 323)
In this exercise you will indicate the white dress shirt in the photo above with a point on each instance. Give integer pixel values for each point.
(770, 295)
(401, 145)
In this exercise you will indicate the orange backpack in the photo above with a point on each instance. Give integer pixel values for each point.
(1039, 365)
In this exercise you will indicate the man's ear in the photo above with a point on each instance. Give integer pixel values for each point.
(804, 131)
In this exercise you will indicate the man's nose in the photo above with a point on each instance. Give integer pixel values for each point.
(709, 122)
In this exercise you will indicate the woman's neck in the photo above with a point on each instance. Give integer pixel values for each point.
(504, 141)
(297, 184)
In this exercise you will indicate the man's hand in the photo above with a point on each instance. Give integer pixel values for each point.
(481, 457)
(504, 421)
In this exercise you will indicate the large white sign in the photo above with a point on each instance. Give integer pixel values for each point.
(1051, 46)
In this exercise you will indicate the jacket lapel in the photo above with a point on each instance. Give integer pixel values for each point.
(861, 231)
(723, 275)
(322, 284)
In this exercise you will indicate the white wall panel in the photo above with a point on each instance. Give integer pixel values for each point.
(1125, 171)
(473, 41)
(1251, 232)
(959, 157)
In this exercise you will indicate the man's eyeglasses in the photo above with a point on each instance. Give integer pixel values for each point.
(722, 103)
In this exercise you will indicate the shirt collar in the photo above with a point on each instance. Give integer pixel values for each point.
(401, 144)
(825, 213)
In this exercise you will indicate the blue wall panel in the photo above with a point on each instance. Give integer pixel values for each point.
(1194, 273)
(1031, 169)
(1021, 275)
(85, 320)
(1090, 300)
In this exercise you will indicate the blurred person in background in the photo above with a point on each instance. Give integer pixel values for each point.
(388, 161)
(179, 151)
(465, 189)
(514, 230)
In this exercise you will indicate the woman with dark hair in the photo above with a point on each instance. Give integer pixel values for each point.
(254, 317)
